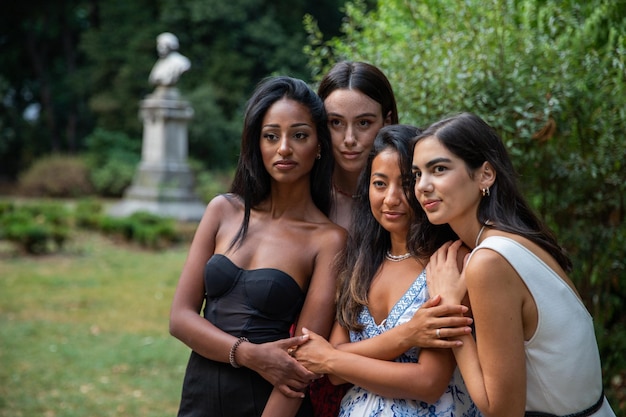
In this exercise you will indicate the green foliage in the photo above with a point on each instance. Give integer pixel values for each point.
(119, 51)
(209, 183)
(36, 229)
(88, 214)
(146, 229)
(40, 64)
(112, 178)
(550, 77)
(6, 207)
(56, 176)
(213, 137)
(42, 227)
(113, 158)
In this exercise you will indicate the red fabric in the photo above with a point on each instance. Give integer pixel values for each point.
(326, 397)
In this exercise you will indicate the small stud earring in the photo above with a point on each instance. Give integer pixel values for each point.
(486, 192)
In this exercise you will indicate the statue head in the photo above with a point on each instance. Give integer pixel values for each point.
(166, 42)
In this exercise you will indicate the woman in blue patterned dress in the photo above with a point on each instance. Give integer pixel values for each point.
(382, 284)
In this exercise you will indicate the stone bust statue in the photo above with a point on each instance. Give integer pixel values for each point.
(170, 65)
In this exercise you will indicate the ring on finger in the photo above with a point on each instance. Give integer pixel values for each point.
(438, 333)
(291, 351)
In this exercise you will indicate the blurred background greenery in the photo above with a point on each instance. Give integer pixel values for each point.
(549, 75)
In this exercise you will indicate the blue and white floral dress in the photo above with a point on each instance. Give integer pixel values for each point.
(455, 402)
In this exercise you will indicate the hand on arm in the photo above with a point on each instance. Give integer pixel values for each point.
(317, 351)
(274, 364)
(426, 380)
(420, 331)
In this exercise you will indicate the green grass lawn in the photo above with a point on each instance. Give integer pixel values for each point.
(85, 332)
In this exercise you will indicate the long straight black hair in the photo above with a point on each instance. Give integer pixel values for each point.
(251, 180)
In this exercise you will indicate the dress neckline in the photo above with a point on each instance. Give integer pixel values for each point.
(221, 255)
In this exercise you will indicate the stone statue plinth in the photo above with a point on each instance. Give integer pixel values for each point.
(163, 183)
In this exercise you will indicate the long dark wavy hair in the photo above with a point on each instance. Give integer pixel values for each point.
(368, 240)
(471, 139)
(252, 181)
(363, 77)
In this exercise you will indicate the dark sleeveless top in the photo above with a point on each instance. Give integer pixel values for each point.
(260, 304)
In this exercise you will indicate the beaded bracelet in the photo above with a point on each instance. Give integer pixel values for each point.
(231, 354)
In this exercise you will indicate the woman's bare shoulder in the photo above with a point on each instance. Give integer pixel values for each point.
(228, 202)
(487, 267)
(332, 235)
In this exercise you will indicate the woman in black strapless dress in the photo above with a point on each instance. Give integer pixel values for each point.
(260, 261)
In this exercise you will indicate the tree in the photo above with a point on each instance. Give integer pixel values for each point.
(85, 64)
(43, 106)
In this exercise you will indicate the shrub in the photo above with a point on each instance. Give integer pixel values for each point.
(112, 178)
(6, 207)
(36, 229)
(33, 238)
(112, 158)
(208, 184)
(44, 227)
(146, 229)
(56, 176)
(88, 214)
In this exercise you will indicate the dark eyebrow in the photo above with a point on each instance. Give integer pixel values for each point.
(295, 125)
(437, 161)
(377, 174)
(365, 115)
(358, 116)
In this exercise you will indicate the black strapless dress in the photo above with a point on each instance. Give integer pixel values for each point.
(259, 304)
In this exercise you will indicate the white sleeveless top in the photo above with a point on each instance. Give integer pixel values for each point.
(563, 369)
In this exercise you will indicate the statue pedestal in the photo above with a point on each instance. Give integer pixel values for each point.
(163, 183)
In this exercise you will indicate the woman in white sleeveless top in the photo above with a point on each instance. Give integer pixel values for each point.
(534, 351)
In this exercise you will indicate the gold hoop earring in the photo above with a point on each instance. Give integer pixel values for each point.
(486, 192)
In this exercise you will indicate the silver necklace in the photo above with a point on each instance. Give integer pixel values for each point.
(397, 258)
(480, 233)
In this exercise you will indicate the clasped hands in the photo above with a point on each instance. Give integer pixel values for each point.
(292, 364)
(276, 365)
